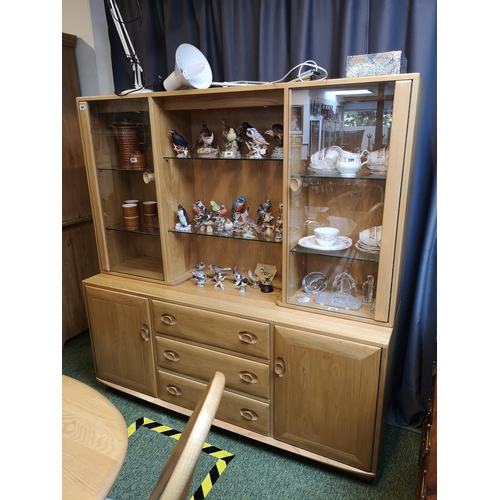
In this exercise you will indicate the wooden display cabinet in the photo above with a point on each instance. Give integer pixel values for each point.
(309, 379)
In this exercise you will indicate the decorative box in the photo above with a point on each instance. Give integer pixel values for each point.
(381, 63)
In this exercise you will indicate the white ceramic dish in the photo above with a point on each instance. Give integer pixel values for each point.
(342, 243)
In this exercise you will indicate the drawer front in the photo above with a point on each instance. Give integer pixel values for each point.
(235, 409)
(242, 375)
(236, 334)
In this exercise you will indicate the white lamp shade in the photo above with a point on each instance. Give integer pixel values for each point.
(191, 69)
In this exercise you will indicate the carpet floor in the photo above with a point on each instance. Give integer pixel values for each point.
(257, 471)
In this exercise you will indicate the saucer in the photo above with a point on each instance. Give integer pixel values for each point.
(342, 243)
(367, 248)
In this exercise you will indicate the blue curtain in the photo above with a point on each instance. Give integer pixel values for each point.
(261, 41)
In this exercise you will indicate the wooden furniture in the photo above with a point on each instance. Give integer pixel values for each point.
(94, 442)
(303, 376)
(177, 475)
(427, 462)
(79, 253)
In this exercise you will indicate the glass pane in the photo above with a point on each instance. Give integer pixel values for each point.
(121, 139)
(338, 161)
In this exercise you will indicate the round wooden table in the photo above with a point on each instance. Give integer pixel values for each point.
(94, 442)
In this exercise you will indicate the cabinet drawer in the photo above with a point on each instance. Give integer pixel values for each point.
(219, 330)
(242, 375)
(235, 409)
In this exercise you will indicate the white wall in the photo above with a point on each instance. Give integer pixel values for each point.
(86, 19)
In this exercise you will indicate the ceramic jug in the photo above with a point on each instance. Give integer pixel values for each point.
(128, 140)
(348, 163)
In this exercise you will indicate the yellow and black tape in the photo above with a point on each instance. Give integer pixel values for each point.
(223, 457)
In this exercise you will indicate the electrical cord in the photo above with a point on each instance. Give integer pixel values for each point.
(317, 73)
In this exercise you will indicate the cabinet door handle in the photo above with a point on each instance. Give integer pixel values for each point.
(168, 319)
(279, 367)
(248, 414)
(248, 337)
(175, 391)
(171, 355)
(249, 377)
(145, 332)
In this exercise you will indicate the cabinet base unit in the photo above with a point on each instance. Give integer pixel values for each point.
(259, 231)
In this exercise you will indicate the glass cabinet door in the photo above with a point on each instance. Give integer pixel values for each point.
(121, 172)
(349, 180)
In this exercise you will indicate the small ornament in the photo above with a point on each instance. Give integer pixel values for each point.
(368, 289)
(243, 285)
(219, 280)
(204, 141)
(181, 146)
(199, 275)
(183, 224)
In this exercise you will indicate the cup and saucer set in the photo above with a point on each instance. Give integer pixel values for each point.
(369, 240)
(326, 238)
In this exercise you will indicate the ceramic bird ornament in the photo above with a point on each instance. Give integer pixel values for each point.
(182, 215)
(181, 145)
(254, 134)
(204, 142)
(238, 206)
(276, 132)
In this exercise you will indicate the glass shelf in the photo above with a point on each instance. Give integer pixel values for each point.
(222, 158)
(118, 169)
(349, 254)
(361, 174)
(150, 231)
(217, 234)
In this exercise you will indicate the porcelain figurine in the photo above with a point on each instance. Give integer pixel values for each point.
(253, 279)
(199, 275)
(368, 289)
(232, 141)
(257, 145)
(276, 132)
(183, 224)
(204, 142)
(181, 145)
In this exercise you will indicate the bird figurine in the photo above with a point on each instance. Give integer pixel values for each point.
(178, 140)
(276, 132)
(229, 133)
(199, 208)
(182, 215)
(254, 279)
(204, 140)
(217, 269)
(238, 206)
(199, 275)
(262, 210)
(248, 222)
(238, 278)
(254, 134)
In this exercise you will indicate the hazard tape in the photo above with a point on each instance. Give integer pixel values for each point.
(223, 457)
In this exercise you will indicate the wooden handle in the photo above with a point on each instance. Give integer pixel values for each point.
(248, 414)
(248, 337)
(248, 377)
(145, 332)
(171, 355)
(279, 367)
(175, 391)
(168, 319)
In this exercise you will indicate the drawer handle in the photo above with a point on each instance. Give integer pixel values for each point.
(248, 414)
(168, 319)
(249, 377)
(175, 391)
(279, 367)
(248, 337)
(171, 355)
(145, 332)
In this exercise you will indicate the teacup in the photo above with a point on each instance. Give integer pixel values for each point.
(377, 160)
(326, 236)
(371, 236)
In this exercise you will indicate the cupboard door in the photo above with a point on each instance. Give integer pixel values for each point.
(326, 395)
(121, 339)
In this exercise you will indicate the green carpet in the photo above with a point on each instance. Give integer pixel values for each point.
(257, 471)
